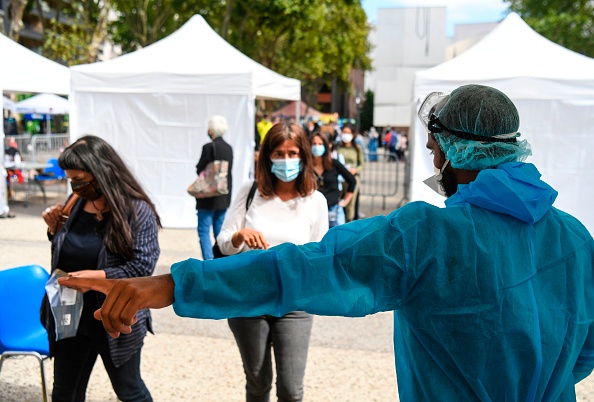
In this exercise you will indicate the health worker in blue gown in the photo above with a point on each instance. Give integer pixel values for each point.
(493, 295)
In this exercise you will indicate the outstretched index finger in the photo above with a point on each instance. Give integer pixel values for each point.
(83, 284)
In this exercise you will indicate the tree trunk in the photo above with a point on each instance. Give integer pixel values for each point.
(40, 14)
(100, 32)
(227, 19)
(17, 9)
(2, 28)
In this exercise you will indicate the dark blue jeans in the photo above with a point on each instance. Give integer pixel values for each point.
(289, 336)
(207, 218)
(74, 360)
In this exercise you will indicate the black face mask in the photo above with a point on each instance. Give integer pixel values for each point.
(87, 190)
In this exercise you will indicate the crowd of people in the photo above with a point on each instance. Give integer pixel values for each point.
(493, 295)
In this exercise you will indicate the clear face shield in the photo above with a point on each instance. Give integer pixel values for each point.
(430, 106)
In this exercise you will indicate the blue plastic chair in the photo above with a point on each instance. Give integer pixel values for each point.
(21, 333)
(51, 173)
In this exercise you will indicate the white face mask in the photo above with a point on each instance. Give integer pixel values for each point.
(346, 137)
(434, 182)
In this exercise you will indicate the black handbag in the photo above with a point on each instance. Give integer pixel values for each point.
(216, 251)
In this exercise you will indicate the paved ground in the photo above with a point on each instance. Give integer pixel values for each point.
(197, 360)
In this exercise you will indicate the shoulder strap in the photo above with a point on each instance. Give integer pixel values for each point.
(214, 151)
(69, 205)
(251, 194)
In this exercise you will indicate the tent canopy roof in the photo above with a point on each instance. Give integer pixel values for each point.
(43, 103)
(23, 70)
(196, 50)
(304, 110)
(510, 53)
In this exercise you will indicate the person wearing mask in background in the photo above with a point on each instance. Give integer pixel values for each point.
(111, 232)
(354, 162)
(493, 294)
(328, 171)
(211, 211)
(285, 208)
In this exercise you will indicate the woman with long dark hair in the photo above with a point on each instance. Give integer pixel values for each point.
(111, 232)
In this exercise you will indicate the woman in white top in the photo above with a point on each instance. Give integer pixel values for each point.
(286, 208)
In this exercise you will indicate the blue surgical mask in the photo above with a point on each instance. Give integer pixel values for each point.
(286, 170)
(318, 150)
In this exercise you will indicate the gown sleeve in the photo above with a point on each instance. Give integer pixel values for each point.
(355, 270)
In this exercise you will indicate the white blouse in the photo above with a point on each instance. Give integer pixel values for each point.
(298, 221)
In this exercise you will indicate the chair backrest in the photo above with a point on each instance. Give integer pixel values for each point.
(21, 292)
(55, 169)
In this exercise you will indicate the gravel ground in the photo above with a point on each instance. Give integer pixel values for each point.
(350, 359)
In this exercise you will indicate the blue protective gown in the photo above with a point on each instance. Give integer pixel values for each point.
(493, 295)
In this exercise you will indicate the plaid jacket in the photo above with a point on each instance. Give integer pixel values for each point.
(146, 253)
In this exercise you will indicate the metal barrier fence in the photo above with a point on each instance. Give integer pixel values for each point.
(23, 141)
(385, 176)
(40, 147)
(48, 146)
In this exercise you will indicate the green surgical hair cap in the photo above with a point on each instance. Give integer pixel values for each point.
(482, 111)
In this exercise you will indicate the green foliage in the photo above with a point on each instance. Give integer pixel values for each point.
(569, 23)
(315, 41)
(66, 45)
(69, 33)
(142, 22)
(311, 40)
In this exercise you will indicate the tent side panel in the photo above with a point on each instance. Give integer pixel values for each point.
(160, 136)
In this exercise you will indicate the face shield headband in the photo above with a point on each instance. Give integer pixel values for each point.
(429, 110)
(436, 127)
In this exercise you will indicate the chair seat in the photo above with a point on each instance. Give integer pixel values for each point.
(21, 332)
(32, 342)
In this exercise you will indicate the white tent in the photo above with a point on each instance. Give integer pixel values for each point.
(553, 89)
(7, 104)
(153, 105)
(43, 104)
(23, 70)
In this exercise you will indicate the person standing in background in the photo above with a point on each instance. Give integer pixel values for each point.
(263, 126)
(328, 171)
(211, 211)
(5, 211)
(354, 162)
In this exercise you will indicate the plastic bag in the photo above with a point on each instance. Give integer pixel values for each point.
(66, 305)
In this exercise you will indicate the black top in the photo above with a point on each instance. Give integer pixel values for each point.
(329, 187)
(223, 152)
(80, 251)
